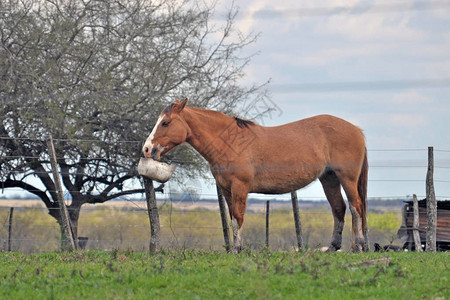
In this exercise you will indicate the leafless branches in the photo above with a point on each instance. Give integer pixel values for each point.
(102, 71)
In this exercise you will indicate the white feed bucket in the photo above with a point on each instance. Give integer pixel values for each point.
(155, 170)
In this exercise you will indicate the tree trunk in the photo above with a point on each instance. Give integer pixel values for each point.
(74, 215)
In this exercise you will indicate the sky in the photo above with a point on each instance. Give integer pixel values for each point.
(382, 65)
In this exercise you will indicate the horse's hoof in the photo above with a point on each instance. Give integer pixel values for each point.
(236, 250)
(357, 249)
(332, 249)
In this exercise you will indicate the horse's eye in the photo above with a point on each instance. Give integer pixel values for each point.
(165, 124)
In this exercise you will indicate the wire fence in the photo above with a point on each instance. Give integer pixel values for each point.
(126, 227)
(393, 162)
(187, 223)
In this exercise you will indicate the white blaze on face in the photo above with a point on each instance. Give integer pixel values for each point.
(149, 142)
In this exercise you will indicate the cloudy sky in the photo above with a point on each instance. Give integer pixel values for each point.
(383, 65)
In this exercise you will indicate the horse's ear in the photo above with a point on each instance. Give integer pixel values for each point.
(179, 106)
(183, 104)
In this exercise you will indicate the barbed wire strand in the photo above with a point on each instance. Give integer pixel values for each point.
(143, 140)
(31, 173)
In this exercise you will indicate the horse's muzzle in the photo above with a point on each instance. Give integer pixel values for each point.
(155, 154)
(150, 153)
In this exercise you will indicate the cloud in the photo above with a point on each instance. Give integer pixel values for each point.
(356, 42)
(371, 27)
(408, 120)
(391, 124)
(284, 13)
(437, 69)
(410, 97)
(437, 47)
(330, 55)
(443, 14)
(246, 17)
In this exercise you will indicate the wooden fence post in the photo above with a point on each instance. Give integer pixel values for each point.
(68, 241)
(298, 224)
(431, 204)
(153, 215)
(267, 222)
(224, 218)
(11, 211)
(416, 235)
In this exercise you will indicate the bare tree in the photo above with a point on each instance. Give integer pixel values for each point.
(94, 74)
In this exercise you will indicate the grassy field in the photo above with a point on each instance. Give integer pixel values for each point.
(109, 228)
(214, 274)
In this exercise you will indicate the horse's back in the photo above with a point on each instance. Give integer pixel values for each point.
(319, 122)
(322, 131)
(295, 154)
(341, 141)
(345, 141)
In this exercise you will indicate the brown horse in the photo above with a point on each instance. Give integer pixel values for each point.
(247, 158)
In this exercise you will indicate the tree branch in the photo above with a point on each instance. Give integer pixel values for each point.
(29, 188)
(92, 199)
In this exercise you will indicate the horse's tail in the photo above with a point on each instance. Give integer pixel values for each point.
(362, 191)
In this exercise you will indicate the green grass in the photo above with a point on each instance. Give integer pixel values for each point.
(214, 274)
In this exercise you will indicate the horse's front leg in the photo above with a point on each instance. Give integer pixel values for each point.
(237, 211)
(227, 195)
(237, 222)
(237, 234)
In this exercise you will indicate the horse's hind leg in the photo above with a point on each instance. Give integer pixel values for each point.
(332, 189)
(357, 210)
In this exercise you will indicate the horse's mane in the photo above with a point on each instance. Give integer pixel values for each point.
(168, 109)
(241, 123)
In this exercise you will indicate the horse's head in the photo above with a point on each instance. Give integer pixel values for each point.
(170, 130)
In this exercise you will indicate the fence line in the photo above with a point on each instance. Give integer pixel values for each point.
(199, 197)
(75, 173)
(65, 140)
(281, 208)
(108, 234)
(211, 178)
(104, 169)
(142, 141)
(203, 198)
(212, 232)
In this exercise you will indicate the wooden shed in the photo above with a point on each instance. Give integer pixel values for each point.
(405, 233)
